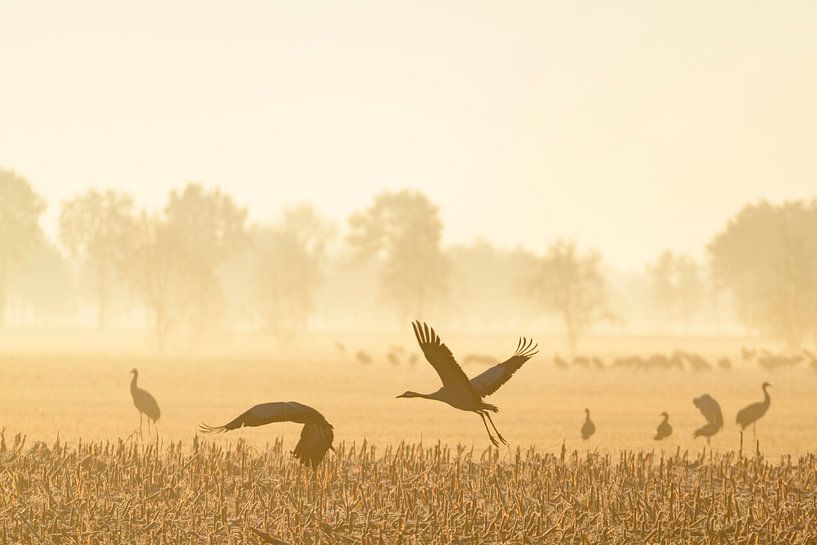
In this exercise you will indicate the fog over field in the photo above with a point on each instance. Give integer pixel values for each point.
(539, 255)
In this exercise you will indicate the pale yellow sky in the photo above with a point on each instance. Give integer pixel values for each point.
(633, 126)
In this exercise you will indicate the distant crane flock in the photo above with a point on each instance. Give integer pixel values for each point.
(457, 390)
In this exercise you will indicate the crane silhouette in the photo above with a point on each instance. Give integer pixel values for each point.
(588, 428)
(711, 410)
(752, 413)
(316, 435)
(145, 403)
(457, 390)
(664, 429)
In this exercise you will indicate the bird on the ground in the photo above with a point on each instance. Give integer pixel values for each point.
(711, 410)
(664, 429)
(363, 357)
(316, 435)
(598, 363)
(588, 428)
(752, 413)
(145, 403)
(457, 390)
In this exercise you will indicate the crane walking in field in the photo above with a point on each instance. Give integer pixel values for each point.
(457, 390)
(753, 413)
(588, 428)
(711, 410)
(316, 435)
(145, 403)
(664, 429)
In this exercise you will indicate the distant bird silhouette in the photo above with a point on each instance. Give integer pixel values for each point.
(713, 414)
(393, 358)
(340, 346)
(560, 363)
(363, 357)
(457, 390)
(598, 363)
(752, 413)
(144, 402)
(316, 435)
(588, 428)
(664, 429)
(725, 363)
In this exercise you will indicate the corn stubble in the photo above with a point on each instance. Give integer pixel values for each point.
(209, 492)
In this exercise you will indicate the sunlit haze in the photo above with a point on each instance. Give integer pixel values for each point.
(630, 126)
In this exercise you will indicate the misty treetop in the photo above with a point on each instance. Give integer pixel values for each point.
(198, 266)
(766, 257)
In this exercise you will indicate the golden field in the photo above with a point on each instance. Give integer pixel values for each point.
(85, 395)
(405, 470)
(209, 493)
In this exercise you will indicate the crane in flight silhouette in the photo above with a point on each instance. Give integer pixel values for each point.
(752, 413)
(711, 410)
(664, 429)
(588, 428)
(316, 435)
(457, 390)
(145, 403)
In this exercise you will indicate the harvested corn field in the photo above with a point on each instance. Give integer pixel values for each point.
(203, 492)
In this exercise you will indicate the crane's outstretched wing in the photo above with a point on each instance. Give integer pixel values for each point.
(489, 381)
(316, 435)
(267, 413)
(710, 409)
(440, 357)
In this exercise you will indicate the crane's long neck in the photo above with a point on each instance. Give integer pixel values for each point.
(666, 419)
(133, 386)
(767, 399)
(417, 394)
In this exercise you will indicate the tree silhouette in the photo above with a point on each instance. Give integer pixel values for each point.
(98, 229)
(767, 257)
(403, 229)
(20, 210)
(207, 227)
(677, 287)
(176, 257)
(571, 286)
(288, 270)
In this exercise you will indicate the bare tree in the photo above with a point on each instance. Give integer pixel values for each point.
(98, 230)
(571, 286)
(208, 227)
(176, 256)
(288, 271)
(403, 230)
(678, 290)
(20, 210)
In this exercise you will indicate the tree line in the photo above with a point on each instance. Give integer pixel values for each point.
(198, 266)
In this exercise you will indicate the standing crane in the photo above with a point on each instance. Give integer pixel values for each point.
(752, 413)
(316, 435)
(145, 403)
(664, 429)
(711, 410)
(457, 390)
(588, 428)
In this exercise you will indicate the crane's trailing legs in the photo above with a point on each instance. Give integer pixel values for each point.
(498, 435)
(490, 435)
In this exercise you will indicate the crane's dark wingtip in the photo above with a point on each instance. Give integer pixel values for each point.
(204, 428)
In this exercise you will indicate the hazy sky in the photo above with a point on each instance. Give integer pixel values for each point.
(633, 126)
